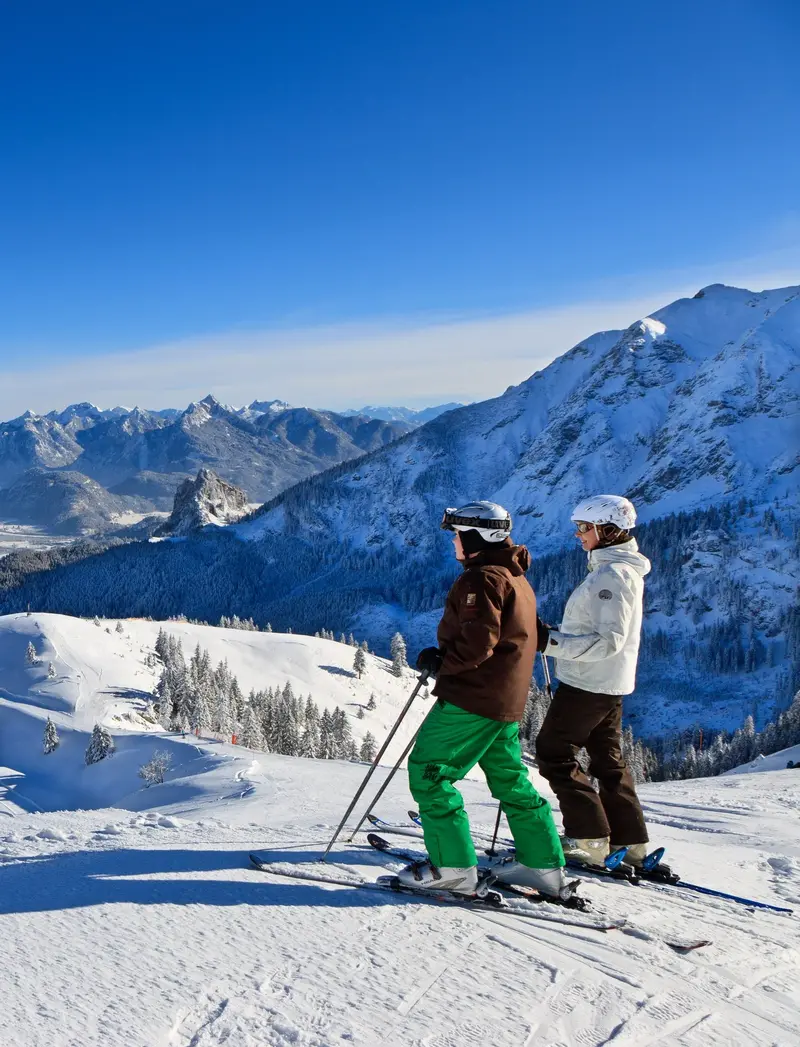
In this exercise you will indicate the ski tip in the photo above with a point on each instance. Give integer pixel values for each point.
(414, 816)
(373, 819)
(377, 841)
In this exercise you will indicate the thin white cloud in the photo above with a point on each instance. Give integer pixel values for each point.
(412, 362)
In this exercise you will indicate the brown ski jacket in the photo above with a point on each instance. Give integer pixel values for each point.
(488, 635)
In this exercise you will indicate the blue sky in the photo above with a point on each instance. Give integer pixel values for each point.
(247, 176)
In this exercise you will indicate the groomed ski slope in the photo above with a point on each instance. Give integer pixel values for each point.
(141, 923)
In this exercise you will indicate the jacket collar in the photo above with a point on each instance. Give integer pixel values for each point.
(515, 558)
(627, 552)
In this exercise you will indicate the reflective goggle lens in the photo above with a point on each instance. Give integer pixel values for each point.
(583, 527)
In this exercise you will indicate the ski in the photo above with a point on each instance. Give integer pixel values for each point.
(574, 902)
(492, 902)
(677, 944)
(748, 903)
(659, 876)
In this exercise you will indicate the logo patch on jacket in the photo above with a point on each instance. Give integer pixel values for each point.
(471, 600)
(605, 594)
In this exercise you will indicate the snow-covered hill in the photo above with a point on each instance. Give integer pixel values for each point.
(100, 675)
(137, 922)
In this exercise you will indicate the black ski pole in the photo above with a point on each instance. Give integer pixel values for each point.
(492, 852)
(546, 670)
(385, 785)
(421, 682)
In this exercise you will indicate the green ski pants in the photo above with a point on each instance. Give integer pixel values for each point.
(450, 742)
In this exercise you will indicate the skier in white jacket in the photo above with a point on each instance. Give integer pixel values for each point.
(596, 650)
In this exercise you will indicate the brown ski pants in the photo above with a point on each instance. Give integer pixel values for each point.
(581, 718)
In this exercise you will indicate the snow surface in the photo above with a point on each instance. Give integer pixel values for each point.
(139, 923)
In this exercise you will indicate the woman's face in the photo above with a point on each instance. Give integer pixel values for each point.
(589, 538)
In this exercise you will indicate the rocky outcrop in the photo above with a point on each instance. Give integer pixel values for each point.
(205, 500)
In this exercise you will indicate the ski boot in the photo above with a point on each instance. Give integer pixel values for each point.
(635, 853)
(544, 885)
(649, 866)
(425, 876)
(586, 851)
(550, 882)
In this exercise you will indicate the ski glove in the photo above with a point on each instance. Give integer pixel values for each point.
(542, 634)
(429, 660)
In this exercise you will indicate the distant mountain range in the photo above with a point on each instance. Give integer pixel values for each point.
(405, 414)
(79, 469)
(692, 412)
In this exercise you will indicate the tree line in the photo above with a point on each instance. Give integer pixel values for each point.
(199, 698)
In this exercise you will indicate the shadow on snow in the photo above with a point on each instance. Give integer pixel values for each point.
(80, 879)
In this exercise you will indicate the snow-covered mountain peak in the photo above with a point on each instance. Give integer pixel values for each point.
(261, 407)
(691, 405)
(202, 411)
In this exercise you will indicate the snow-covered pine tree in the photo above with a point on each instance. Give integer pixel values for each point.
(51, 671)
(359, 663)
(368, 748)
(161, 644)
(311, 711)
(309, 741)
(100, 745)
(200, 716)
(51, 740)
(287, 738)
(352, 640)
(221, 717)
(372, 705)
(120, 628)
(31, 656)
(237, 704)
(397, 649)
(251, 736)
(342, 735)
(326, 749)
(360, 713)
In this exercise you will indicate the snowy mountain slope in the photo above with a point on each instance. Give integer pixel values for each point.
(142, 925)
(63, 502)
(692, 405)
(101, 676)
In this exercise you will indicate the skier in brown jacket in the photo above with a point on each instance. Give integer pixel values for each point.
(483, 664)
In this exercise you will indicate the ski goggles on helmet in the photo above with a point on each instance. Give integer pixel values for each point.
(451, 520)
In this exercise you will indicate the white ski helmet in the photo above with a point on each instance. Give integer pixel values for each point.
(606, 509)
(491, 521)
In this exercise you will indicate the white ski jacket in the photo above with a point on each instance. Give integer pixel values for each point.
(597, 646)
